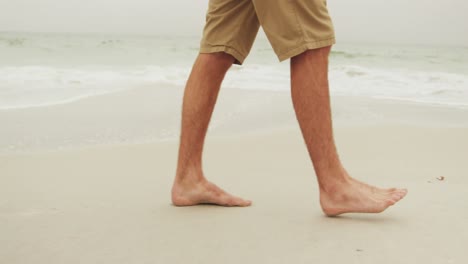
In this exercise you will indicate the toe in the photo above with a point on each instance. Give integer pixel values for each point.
(231, 200)
(396, 197)
(389, 202)
(402, 193)
(241, 202)
(247, 203)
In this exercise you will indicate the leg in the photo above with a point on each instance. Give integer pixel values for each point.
(190, 186)
(339, 193)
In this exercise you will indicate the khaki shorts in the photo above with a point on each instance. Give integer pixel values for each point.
(291, 26)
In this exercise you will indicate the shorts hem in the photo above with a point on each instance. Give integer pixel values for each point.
(239, 58)
(306, 46)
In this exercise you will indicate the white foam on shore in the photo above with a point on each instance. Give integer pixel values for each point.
(40, 69)
(31, 86)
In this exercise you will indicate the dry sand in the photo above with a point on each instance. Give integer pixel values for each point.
(110, 204)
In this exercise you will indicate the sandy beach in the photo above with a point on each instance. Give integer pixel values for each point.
(90, 115)
(110, 203)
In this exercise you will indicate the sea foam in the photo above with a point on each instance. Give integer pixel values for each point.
(44, 69)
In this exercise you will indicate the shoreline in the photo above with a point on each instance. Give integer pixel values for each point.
(152, 114)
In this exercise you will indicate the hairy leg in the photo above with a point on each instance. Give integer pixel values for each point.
(339, 193)
(190, 185)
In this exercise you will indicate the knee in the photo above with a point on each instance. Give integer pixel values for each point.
(314, 54)
(217, 59)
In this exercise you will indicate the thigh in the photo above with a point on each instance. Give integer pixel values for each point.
(293, 26)
(231, 26)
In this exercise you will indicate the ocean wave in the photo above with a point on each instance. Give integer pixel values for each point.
(25, 86)
(39, 40)
(29, 86)
(13, 42)
(403, 84)
(350, 55)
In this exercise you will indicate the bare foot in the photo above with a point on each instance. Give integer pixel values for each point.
(352, 196)
(203, 192)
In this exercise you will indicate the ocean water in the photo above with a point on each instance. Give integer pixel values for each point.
(44, 69)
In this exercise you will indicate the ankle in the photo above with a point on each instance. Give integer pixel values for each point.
(189, 179)
(189, 176)
(330, 181)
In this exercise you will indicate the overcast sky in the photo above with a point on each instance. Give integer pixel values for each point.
(396, 21)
